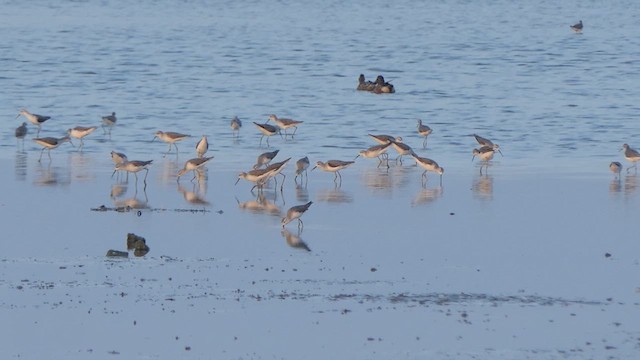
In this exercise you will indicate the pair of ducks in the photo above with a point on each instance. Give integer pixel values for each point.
(378, 87)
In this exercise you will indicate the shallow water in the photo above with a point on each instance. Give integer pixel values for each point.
(536, 259)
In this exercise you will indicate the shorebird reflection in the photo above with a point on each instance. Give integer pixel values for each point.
(260, 205)
(483, 187)
(294, 240)
(427, 195)
(335, 195)
(192, 197)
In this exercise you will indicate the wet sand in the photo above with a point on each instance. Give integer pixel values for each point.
(526, 265)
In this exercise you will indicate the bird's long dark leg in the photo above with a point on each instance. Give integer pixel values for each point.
(45, 148)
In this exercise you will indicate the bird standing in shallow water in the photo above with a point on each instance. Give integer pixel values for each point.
(485, 153)
(202, 146)
(285, 124)
(424, 130)
(486, 142)
(266, 130)
(236, 124)
(265, 158)
(171, 138)
(376, 151)
(615, 168)
(49, 143)
(109, 121)
(134, 166)
(428, 165)
(577, 27)
(296, 212)
(21, 132)
(631, 155)
(35, 119)
(333, 166)
(193, 165)
(301, 167)
(79, 132)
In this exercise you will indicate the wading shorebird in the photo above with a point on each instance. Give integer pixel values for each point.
(385, 139)
(49, 143)
(193, 165)
(486, 142)
(171, 138)
(236, 124)
(285, 124)
(257, 176)
(119, 158)
(295, 212)
(266, 130)
(134, 166)
(35, 119)
(402, 149)
(108, 121)
(275, 169)
(202, 146)
(424, 130)
(485, 153)
(376, 151)
(577, 27)
(428, 165)
(21, 132)
(333, 166)
(301, 167)
(265, 158)
(79, 132)
(631, 155)
(615, 168)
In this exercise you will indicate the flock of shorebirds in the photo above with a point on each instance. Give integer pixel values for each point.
(264, 169)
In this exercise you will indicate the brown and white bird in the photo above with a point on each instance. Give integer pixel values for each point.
(428, 165)
(295, 212)
(333, 166)
(202, 146)
(485, 153)
(266, 130)
(49, 143)
(615, 168)
(424, 130)
(193, 165)
(301, 167)
(35, 119)
(486, 142)
(265, 158)
(285, 124)
(79, 132)
(631, 155)
(171, 138)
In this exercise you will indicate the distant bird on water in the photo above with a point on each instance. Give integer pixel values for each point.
(236, 124)
(576, 27)
(109, 121)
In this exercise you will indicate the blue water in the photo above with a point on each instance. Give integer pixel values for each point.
(501, 266)
(512, 72)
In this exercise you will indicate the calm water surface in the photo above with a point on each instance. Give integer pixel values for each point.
(499, 266)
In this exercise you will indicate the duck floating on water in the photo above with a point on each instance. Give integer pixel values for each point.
(378, 87)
